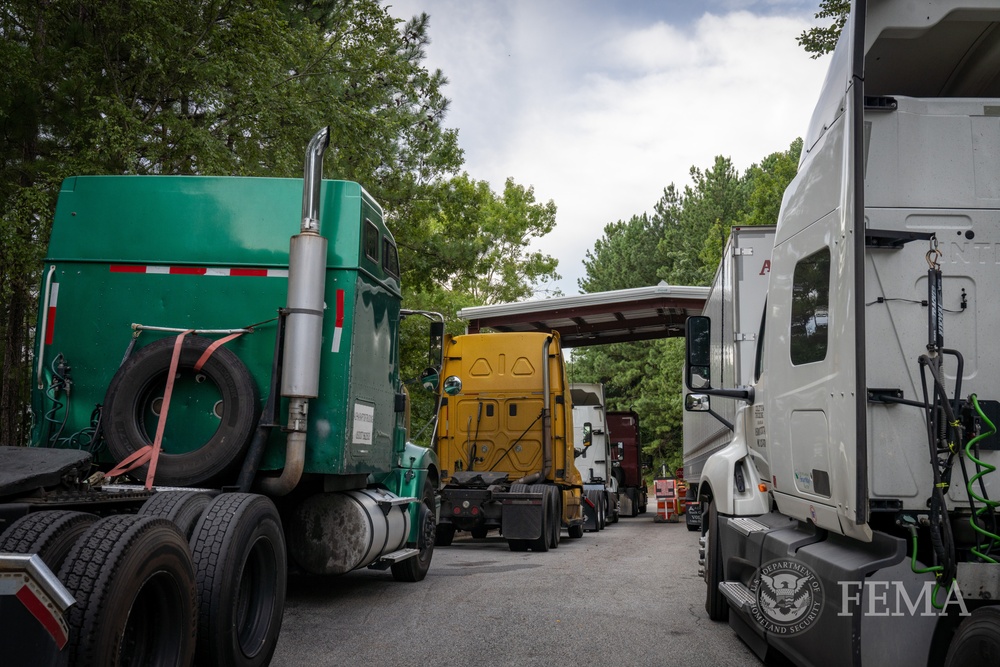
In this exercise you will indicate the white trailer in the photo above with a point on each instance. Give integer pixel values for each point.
(852, 519)
(735, 304)
(590, 431)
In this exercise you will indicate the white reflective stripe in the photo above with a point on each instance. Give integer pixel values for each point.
(158, 269)
(277, 273)
(216, 272)
(336, 339)
(54, 296)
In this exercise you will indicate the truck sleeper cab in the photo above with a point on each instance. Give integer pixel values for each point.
(861, 466)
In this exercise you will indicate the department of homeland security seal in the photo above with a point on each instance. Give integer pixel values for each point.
(788, 597)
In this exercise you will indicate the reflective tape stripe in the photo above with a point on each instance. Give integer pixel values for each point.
(199, 271)
(50, 324)
(338, 323)
(43, 614)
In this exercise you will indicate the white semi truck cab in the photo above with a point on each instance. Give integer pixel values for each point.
(852, 518)
(594, 458)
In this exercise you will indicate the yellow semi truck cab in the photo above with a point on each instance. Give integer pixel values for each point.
(505, 440)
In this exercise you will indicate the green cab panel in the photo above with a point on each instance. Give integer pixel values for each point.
(211, 253)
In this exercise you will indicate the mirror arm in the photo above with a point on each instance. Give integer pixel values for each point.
(741, 394)
(725, 422)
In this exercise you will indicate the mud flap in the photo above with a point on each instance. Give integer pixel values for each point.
(522, 514)
(32, 603)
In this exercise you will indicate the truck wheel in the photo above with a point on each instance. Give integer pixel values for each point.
(550, 501)
(575, 531)
(214, 411)
(602, 517)
(643, 501)
(183, 508)
(136, 602)
(444, 535)
(241, 567)
(518, 545)
(415, 568)
(715, 603)
(479, 532)
(977, 640)
(556, 495)
(634, 499)
(542, 542)
(49, 534)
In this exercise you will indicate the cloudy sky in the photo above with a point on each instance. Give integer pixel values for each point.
(600, 104)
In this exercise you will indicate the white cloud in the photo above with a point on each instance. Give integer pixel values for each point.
(600, 113)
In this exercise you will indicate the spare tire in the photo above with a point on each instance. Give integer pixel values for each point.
(212, 415)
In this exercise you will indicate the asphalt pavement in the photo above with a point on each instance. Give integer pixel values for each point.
(627, 595)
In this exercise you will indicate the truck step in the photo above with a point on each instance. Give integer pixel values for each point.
(385, 560)
(747, 526)
(739, 596)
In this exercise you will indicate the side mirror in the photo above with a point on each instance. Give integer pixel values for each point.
(620, 449)
(697, 403)
(430, 379)
(452, 385)
(588, 435)
(435, 350)
(697, 341)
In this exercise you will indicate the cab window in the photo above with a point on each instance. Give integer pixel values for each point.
(810, 308)
(390, 258)
(371, 241)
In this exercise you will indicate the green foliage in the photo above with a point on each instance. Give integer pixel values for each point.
(767, 182)
(820, 40)
(621, 259)
(682, 242)
(701, 216)
(469, 246)
(470, 240)
(234, 87)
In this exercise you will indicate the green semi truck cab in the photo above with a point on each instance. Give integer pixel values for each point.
(175, 315)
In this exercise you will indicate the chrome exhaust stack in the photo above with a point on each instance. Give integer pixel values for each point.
(304, 319)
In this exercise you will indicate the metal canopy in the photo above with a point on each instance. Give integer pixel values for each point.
(642, 313)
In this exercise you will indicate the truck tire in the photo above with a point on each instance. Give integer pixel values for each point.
(240, 568)
(977, 641)
(183, 508)
(444, 535)
(136, 602)
(575, 531)
(130, 414)
(715, 602)
(633, 497)
(542, 542)
(415, 568)
(556, 496)
(518, 545)
(479, 532)
(49, 534)
(550, 501)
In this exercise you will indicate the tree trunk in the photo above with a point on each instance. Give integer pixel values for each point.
(14, 389)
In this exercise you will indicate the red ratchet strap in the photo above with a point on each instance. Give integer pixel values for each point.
(151, 453)
(212, 348)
